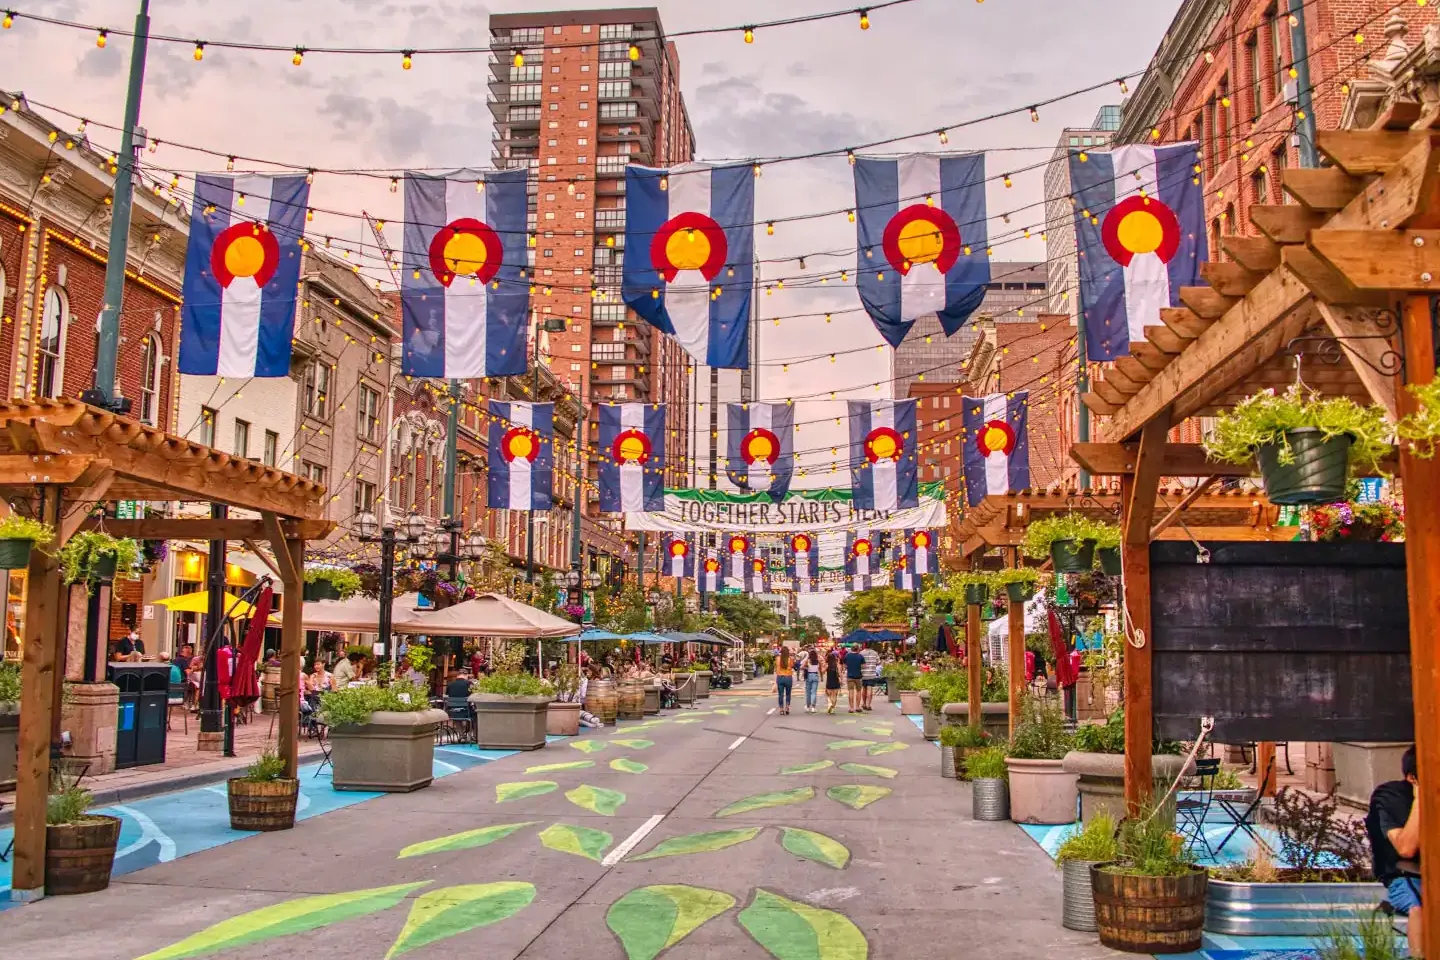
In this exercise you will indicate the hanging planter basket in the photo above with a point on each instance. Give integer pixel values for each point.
(102, 567)
(976, 593)
(1072, 556)
(15, 554)
(1019, 591)
(321, 590)
(1109, 560)
(1316, 475)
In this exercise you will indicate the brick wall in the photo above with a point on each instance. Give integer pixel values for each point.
(14, 237)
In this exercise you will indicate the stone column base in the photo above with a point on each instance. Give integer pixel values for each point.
(90, 712)
(210, 742)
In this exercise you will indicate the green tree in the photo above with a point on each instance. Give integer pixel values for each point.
(881, 605)
(745, 616)
(808, 629)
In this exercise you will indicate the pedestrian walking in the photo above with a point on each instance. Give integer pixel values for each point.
(855, 679)
(812, 679)
(832, 680)
(784, 678)
(870, 676)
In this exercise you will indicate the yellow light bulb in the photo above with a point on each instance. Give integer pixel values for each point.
(1008, 182)
(770, 229)
(634, 52)
(199, 51)
(407, 60)
(864, 19)
(851, 215)
(299, 57)
(749, 35)
(101, 38)
(519, 59)
(9, 20)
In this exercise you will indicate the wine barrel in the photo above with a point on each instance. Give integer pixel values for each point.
(79, 856)
(631, 701)
(270, 689)
(1149, 914)
(262, 805)
(600, 699)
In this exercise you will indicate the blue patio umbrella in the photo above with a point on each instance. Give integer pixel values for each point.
(596, 635)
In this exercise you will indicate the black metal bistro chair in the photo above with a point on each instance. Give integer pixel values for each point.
(1193, 808)
(1245, 819)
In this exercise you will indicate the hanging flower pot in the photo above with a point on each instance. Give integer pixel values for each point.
(1109, 560)
(102, 566)
(18, 536)
(321, 590)
(1019, 590)
(94, 555)
(976, 593)
(1072, 556)
(15, 554)
(1317, 470)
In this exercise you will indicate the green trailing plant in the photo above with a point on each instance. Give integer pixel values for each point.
(514, 685)
(1014, 575)
(1150, 847)
(84, 548)
(1228, 779)
(1067, 526)
(1107, 536)
(9, 683)
(962, 736)
(987, 764)
(353, 705)
(267, 768)
(566, 682)
(902, 676)
(420, 657)
(16, 527)
(1040, 732)
(1095, 842)
(359, 648)
(1422, 428)
(1264, 419)
(346, 582)
(1109, 737)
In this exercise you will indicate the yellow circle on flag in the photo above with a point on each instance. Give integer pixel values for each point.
(244, 257)
(688, 249)
(520, 445)
(465, 253)
(884, 447)
(920, 241)
(1140, 232)
(632, 449)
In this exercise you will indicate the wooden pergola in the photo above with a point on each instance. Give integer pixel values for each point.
(1343, 278)
(61, 461)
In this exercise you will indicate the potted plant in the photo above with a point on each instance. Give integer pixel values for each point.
(1304, 444)
(1018, 582)
(383, 738)
(511, 706)
(976, 584)
(263, 799)
(18, 536)
(989, 784)
(1068, 539)
(331, 583)
(701, 670)
(1098, 760)
(1041, 791)
(1107, 548)
(562, 716)
(960, 742)
(898, 676)
(1422, 427)
(1087, 845)
(9, 722)
(95, 555)
(79, 845)
(1151, 898)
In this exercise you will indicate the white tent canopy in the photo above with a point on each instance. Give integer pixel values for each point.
(488, 615)
(999, 633)
(356, 615)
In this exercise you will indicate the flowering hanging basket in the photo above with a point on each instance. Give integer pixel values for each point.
(1316, 472)
(1072, 556)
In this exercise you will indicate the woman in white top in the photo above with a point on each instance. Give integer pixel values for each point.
(811, 665)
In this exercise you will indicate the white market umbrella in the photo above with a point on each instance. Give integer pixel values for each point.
(488, 615)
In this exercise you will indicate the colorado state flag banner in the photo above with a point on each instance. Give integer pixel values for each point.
(757, 577)
(905, 577)
(689, 256)
(761, 447)
(522, 456)
(1140, 232)
(923, 240)
(862, 560)
(632, 457)
(710, 577)
(679, 558)
(737, 551)
(883, 473)
(242, 268)
(802, 562)
(996, 444)
(919, 552)
(463, 296)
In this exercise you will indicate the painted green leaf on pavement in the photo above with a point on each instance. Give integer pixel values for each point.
(282, 919)
(455, 910)
(552, 767)
(521, 789)
(815, 846)
(650, 920)
(761, 801)
(463, 841)
(866, 770)
(626, 765)
(588, 746)
(807, 767)
(634, 744)
(596, 799)
(724, 713)
(797, 931)
(881, 748)
(690, 720)
(857, 796)
(581, 841)
(699, 843)
(846, 721)
(879, 731)
(847, 744)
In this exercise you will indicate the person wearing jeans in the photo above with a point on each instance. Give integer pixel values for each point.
(784, 678)
(811, 666)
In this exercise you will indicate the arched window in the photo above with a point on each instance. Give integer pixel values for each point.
(50, 373)
(152, 361)
(4, 291)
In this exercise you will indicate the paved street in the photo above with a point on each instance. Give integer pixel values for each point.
(842, 870)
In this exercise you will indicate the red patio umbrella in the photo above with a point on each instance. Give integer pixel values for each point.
(1065, 674)
(244, 685)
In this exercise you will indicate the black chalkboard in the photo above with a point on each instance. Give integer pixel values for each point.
(1281, 641)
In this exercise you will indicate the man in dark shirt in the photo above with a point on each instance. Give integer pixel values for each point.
(854, 677)
(1393, 824)
(459, 685)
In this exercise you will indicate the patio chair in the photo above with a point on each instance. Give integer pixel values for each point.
(1193, 807)
(176, 698)
(1245, 819)
(322, 737)
(460, 727)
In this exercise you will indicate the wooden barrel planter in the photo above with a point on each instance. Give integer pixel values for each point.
(600, 699)
(630, 704)
(270, 689)
(79, 856)
(262, 804)
(1149, 914)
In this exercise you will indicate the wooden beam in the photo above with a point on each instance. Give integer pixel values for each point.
(1396, 199)
(291, 575)
(1359, 152)
(1166, 340)
(1179, 460)
(1286, 223)
(1328, 284)
(290, 557)
(1206, 302)
(30, 469)
(1237, 368)
(1233, 534)
(1253, 253)
(1139, 511)
(972, 662)
(1230, 279)
(1016, 644)
(1151, 356)
(1137, 497)
(1370, 358)
(1184, 322)
(89, 490)
(1133, 370)
(1382, 259)
(1184, 504)
(1107, 390)
(1099, 406)
(263, 557)
(1321, 188)
(1399, 115)
(174, 528)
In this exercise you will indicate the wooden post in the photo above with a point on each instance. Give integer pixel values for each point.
(972, 656)
(43, 642)
(1422, 572)
(1017, 655)
(1264, 762)
(1137, 500)
(290, 561)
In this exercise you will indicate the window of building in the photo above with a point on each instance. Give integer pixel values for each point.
(584, 105)
(554, 106)
(1278, 160)
(207, 426)
(554, 124)
(364, 496)
(614, 89)
(584, 124)
(317, 389)
(242, 438)
(1223, 130)
(552, 142)
(614, 69)
(554, 88)
(1257, 74)
(50, 372)
(369, 414)
(525, 91)
(579, 214)
(616, 31)
(556, 68)
(1260, 187)
(271, 451)
(584, 88)
(152, 359)
(312, 471)
(584, 68)
(549, 252)
(1277, 51)
(583, 141)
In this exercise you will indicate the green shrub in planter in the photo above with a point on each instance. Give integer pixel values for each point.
(353, 705)
(95, 555)
(976, 585)
(1095, 842)
(9, 683)
(330, 583)
(987, 764)
(18, 536)
(1040, 732)
(514, 685)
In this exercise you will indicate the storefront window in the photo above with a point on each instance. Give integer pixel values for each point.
(14, 612)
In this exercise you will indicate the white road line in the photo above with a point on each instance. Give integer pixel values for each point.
(620, 852)
(770, 711)
(738, 741)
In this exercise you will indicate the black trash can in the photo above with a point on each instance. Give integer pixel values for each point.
(144, 700)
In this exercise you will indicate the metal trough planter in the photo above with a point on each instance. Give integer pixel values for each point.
(1286, 909)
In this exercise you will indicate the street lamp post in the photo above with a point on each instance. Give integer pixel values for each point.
(549, 325)
(369, 530)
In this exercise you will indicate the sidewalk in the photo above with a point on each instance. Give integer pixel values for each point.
(184, 765)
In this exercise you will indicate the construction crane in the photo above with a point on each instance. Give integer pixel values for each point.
(384, 246)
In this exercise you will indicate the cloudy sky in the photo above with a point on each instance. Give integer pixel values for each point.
(813, 87)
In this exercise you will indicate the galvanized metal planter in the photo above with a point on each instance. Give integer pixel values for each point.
(1078, 911)
(990, 799)
(947, 762)
(1286, 909)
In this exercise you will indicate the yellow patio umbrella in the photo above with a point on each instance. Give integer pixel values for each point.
(199, 602)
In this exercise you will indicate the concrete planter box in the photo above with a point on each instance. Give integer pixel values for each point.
(562, 719)
(892, 692)
(511, 723)
(702, 684)
(393, 753)
(910, 703)
(994, 717)
(1041, 791)
(1102, 780)
(684, 689)
(652, 700)
(737, 676)
(9, 743)
(1286, 909)
(932, 722)
(1361, 767)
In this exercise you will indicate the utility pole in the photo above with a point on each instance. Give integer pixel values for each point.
(1300, 59)
(451, 523)
(103, 392)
